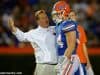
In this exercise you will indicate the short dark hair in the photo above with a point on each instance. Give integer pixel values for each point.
(38, 13)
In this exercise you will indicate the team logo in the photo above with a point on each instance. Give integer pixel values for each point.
(59, 42)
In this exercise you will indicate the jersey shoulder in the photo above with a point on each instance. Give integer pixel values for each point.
(69, 25)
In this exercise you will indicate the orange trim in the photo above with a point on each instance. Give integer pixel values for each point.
(71, 66)
(94, 51)
(70, 69)
(66, 68)
(29, 50)
(14, 50)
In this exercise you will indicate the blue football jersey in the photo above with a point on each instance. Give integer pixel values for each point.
(61, 29)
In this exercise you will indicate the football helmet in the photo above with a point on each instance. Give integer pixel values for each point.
(61, 9)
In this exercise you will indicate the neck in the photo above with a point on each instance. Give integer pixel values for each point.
(43, 26)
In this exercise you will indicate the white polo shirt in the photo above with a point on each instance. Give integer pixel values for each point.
(43, 41)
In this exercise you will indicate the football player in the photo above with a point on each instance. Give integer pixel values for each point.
(66, 40)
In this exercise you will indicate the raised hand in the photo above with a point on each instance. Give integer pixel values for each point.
(11, 24)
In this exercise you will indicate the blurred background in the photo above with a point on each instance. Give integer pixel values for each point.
(18, 56)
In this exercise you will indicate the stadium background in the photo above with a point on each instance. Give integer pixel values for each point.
(18, 57)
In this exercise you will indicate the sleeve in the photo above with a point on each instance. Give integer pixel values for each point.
(21, 36)
(69, 27)
(83, 38)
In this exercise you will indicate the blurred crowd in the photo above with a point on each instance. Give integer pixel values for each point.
(23, 11)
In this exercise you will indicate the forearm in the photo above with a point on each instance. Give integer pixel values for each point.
(69, 51)
(86, 53)
(11, 24)
(13, 29)
(71, 42)
(17, 32)
(19, 35)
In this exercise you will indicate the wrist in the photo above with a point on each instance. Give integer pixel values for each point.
(13, 29)
(68, 57)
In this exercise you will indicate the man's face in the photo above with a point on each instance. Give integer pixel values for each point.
(72, 16)
(57, 18)
(43, 20)
(62, 15)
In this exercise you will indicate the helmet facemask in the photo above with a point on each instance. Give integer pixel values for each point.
(57, 17)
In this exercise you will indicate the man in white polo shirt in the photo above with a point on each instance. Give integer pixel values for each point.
(43, 41)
